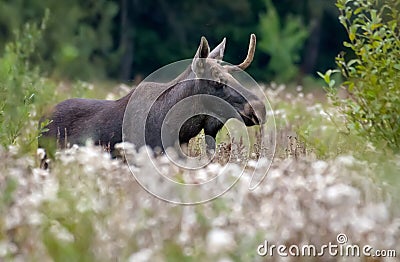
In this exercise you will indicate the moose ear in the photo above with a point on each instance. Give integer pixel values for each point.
(202, 53)
(203, 50)
(218, 52)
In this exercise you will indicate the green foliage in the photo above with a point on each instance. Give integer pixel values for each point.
(19, 88)
(317, 130)
(83, 47)
(79, 34)
(125, 40)
(373, 75)
(71, 222)
(26, 95)
(283, 41)
(173, 252)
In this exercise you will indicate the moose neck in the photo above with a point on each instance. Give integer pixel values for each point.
(185, 85)
(175, 90)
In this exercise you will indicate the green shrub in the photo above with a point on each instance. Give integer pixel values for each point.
(282, 40)
(19, 87)
(372, 75)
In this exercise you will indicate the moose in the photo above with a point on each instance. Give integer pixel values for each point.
(76, 120)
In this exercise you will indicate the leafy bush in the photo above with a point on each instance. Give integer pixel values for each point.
(25, 93)
(19, 88)
(372, 108)
(283, 41)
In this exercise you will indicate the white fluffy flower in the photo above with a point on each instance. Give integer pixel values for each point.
(219, 240)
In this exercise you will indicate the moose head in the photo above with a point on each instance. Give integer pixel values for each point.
(76, 120)
(207, 65)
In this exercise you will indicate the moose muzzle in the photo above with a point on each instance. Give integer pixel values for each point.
(253, 113)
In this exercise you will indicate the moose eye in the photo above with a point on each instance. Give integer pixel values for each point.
(222, 84)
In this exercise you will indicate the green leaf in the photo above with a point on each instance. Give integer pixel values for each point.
(332, 83)
(320, 74)
(375, 26)
(352, 36)
(358, 10)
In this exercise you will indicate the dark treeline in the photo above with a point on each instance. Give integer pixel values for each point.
(125, 39)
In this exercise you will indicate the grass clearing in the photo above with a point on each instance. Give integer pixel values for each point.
(88, 207)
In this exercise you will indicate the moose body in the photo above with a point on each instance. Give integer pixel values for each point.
(76, 120)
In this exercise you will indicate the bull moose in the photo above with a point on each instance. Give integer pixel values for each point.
(73, 121)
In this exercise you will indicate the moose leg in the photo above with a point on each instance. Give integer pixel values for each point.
(211, 128)
(210, 144)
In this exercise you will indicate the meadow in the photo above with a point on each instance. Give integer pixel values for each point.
(88, 206)
(333, 176)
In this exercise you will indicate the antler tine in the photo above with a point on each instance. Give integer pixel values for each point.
(250, 55)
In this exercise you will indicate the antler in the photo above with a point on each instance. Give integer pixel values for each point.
(250, 55)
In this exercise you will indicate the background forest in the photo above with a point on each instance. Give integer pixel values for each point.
(125, 39)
